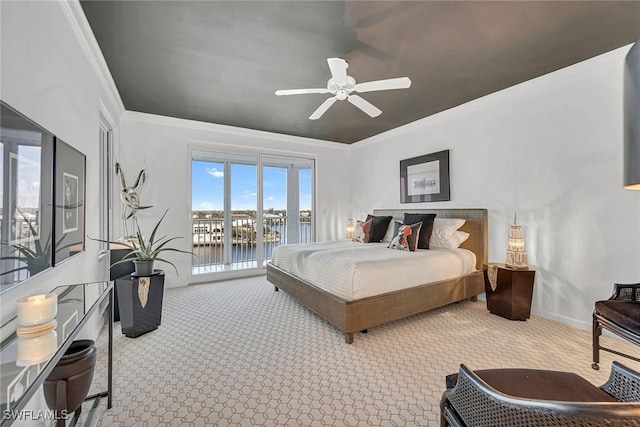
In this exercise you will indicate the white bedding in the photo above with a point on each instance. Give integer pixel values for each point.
(352, 270)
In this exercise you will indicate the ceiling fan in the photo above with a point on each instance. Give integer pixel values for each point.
(341, 86)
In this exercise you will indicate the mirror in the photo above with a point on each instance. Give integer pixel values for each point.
(26, 192)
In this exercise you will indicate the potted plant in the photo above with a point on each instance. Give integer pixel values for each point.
(140, 294)
(144, 252)
(35, 257)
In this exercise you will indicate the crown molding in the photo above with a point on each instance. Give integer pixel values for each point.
(607, 59)
(87, 40)
(230, 130)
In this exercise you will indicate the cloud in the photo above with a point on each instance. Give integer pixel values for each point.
(215, 173)
(207, 206)
(251, 193)
(270, 197)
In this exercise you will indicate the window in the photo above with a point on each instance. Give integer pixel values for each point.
(105, 144)
(245, 205)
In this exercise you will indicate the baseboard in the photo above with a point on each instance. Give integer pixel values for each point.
(563, 319)
(226, 275)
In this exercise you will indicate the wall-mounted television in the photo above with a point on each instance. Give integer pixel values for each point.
(632, 118)
(26, 195)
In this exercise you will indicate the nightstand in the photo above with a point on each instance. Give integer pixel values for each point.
(513, 291)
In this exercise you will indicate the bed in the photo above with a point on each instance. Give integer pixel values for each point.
(363, 308)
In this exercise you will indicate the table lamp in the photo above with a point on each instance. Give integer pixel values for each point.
(350, 228)
(516, 254)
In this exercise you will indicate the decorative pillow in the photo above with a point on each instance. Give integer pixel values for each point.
(458, 238)
(444, 228)
(407, 237)
(426, 229)
(362, 231)
(396, 226)
(391, 232)
(379, 227)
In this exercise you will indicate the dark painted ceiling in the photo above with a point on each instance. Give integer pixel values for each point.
(221, 61)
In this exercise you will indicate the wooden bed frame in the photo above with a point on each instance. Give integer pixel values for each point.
(362, 314)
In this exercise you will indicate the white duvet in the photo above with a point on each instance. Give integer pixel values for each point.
(352, 270)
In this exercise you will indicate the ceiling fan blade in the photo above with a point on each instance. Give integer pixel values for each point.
(364, 105)
(338, 67)
(300, 91)
(399, 83)
(322, 108)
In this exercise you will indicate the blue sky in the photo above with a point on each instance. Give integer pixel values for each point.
(207, 187)
(28, 175)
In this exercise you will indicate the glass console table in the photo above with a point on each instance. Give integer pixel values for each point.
(22, 372)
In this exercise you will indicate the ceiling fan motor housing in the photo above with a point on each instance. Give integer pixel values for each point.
(341, 91)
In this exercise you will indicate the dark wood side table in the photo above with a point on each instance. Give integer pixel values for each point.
(512, 296)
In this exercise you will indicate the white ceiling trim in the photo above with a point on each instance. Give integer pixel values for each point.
(81, 28)
(607, 59)
(208, 146)
(230, 130)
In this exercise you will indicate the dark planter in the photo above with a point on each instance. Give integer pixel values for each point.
(143, 268)
(68, 384)
(136, 320)
(116, 272)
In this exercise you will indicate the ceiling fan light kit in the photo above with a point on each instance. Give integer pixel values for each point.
(340, 85)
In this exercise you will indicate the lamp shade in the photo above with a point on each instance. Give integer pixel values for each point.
(632, 118)
(350, 228)
(516, 254)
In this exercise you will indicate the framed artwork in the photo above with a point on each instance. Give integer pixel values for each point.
(69, 201)
(425, 178)
(26, 198)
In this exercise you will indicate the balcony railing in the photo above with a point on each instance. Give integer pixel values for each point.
(209, 239)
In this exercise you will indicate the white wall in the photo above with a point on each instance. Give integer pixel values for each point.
(47, 75)
(162, 146)
(550, 149)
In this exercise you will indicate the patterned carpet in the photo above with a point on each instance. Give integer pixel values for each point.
(238, 353)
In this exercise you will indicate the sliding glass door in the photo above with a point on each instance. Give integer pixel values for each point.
(305, 201)
(245, 205)
(274, 207)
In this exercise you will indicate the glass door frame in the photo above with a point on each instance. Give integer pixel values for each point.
(199, 153)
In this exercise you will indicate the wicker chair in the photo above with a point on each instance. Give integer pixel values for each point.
(529, 397)
(619, 314)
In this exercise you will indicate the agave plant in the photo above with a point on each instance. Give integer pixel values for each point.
(35, 259)
(142, 249)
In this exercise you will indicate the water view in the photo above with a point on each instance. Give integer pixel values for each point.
(209, 237)
(226, 193)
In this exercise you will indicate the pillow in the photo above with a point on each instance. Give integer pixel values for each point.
(362, 231)
(427, 226)
(406, 238)
(458, 238)
(391, 232)
(379, 227)
(445, 227)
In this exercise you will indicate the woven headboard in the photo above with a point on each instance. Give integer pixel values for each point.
(477, 226)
